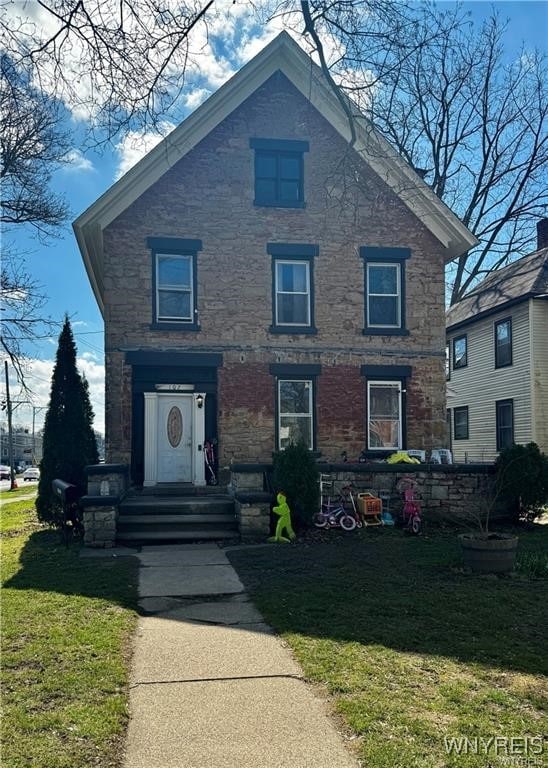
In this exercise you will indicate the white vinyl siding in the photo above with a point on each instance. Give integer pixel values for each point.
(538, 313)
(480, 384)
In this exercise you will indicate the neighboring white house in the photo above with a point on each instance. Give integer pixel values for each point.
(497, 337)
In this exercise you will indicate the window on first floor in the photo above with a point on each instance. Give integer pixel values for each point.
(460, 423)
(295, 412)
(384, 415)
(505, 424)
(503, 343)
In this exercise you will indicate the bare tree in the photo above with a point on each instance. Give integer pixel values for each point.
(32, 145)
(476, 126)
(122, 63)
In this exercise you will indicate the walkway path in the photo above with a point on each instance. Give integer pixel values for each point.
(211, 686)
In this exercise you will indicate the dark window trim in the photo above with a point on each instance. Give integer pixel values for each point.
(173, 358)
(498, 405)
(394, 256)
(293, 252)
(496, 325)
(295, 372)
(279, 145)
(386, 371)
(448, 361)
(463, 409)
(461, 365)
(175, 246)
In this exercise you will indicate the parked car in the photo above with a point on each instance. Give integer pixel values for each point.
(32, 473)
(5, 473)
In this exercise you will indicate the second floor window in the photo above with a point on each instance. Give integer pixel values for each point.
(174, 283)
(460, 352)
(503, 343)
(460, 423)
(385, 290)
(174, 288)
(292, 293)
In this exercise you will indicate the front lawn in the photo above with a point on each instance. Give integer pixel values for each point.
(411, 649)
(66, 625)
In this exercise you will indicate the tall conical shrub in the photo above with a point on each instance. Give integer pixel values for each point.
(69, 441)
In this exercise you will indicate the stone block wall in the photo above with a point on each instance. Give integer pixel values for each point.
(99, 525)
(107, 485)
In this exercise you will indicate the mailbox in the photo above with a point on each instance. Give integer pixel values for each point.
(66, 492)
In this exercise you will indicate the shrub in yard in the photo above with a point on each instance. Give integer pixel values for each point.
(522, 475)
(296, 473)
(69, 441)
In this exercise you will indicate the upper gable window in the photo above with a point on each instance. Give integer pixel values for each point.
(279, 172)
(174, 264)
(385, 290)
(503, 343)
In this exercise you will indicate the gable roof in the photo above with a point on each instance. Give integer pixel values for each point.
(522, 279)
(285, 55)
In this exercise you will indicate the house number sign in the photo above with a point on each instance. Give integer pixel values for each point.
(174, 426)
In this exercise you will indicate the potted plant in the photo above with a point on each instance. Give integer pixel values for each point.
(521, 484)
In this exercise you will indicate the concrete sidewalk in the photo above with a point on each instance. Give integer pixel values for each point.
(211, 685)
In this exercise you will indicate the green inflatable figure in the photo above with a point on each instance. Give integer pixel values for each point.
(284, 523)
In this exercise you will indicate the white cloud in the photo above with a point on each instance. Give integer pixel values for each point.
(136, 144)
(76, 161)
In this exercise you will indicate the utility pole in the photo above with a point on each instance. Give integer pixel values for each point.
(13, 484)
(35, 408)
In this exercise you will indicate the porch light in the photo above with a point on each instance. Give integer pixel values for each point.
(200, 401)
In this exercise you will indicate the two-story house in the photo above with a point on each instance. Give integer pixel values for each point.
(497, 336)
(262, 281)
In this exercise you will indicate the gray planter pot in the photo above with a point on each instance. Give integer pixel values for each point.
(495, 553)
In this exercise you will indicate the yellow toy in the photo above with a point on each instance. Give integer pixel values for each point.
(402, 457)
(284, 523)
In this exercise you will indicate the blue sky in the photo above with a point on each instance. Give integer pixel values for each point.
(58, 265)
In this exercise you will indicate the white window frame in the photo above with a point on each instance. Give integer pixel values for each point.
(393, 384)
(174, 288)
(309, 415)
(278, 292)
(398, 295)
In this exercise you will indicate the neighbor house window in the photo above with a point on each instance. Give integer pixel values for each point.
(447, 363)
(279, 172)
(384, 415)
(503, 343)
(174, 264)
(385, 290)
(295, 413)
(292, 287)
(460, 352)
(460, 422)
(505, 424)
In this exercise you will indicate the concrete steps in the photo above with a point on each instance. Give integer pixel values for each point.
(186, 516)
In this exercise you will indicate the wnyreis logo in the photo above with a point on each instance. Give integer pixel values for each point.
(514, 750)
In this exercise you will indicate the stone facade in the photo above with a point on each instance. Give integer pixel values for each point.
(208, 195)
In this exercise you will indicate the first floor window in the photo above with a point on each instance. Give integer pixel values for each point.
(505, 424)
(174, 287)
(295, 412)
(460, 422)
(384, 409)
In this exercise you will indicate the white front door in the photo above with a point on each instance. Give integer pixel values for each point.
(175, 438)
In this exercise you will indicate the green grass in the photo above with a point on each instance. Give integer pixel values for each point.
(409, 647)
(66, 626)
(23, 490)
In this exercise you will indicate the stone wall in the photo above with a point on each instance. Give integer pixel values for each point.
(448, 493)
(107, 485)
(208, 195)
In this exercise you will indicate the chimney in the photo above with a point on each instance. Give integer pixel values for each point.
(542, 233)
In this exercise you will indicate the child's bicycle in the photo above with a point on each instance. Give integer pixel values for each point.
(411, 511)
(333, 513)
